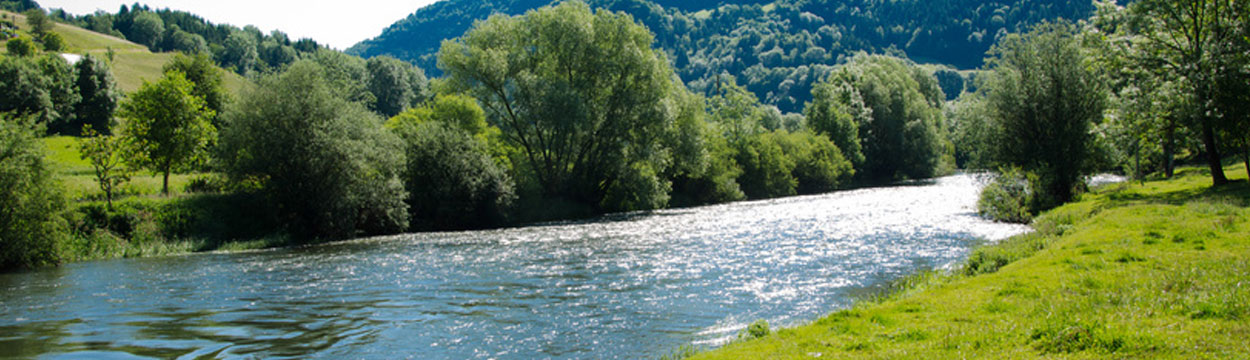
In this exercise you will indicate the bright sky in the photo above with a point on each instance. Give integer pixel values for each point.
(339, 24)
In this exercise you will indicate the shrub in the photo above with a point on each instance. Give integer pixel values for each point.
(1007, 197)
(31, 230)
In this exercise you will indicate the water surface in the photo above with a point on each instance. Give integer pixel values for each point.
(626, 286)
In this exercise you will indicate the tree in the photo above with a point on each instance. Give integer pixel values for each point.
(389, 83)
(24, 88)
(20, 46)
(59, 83)
(240, 52)
(833, 111)
(899, 119)
(39, 22)
(581, 93)
(147, 29)
(206, 80)
(325, 163)
(1198, 41)
(52, 42)
(168, 128)
(1043, 101)
(98, 93)
(31, 227)
(453, 182)
(106, 155)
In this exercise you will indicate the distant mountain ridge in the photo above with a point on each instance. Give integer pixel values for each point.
(777, 49)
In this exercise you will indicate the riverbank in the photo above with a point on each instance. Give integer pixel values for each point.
(1153, 270)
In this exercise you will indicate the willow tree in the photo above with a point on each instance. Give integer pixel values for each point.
(1042, 102)
(582, 94)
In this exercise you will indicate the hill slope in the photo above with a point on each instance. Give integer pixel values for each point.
(132, 63)
(776, 49)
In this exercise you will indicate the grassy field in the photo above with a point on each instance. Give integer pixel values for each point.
(1160, 270)
(79, 178)
(132, 63)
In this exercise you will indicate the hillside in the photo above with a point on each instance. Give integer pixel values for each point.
(132, 63)
(776, 49)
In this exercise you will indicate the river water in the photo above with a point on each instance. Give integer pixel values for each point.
(626, 286)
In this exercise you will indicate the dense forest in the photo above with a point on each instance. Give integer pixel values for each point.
(776, 49)
(569, 111)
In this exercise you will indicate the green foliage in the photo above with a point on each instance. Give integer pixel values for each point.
(325, 165)
(1043, 101)
(969, 121)
(582, 94)
(98, 93)
(818, 163)
(42, 87)
(833, 112)
(206, 79)
(392, 83)
(39, 22)
(52, 42)
(1008, 197)
(30, 226)
(20, 46)
(767, 171)
(777, 49)
(59, 78)
(105, 152)
(452, 180)
(757, 329)
(239, 52)
(146, 28)
(898, 120)
(168, 129)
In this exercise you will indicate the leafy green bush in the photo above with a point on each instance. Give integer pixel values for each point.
(1007, 197)
(453, 183)
(988, 259)
(756, 330)
(31, 230)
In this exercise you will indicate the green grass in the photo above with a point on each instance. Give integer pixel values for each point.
(79, 181)
(1160, 270)
(132, 63)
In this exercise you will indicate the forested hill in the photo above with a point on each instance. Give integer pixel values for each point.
(776, 49)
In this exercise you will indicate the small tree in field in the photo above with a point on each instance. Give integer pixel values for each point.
(167, 129)
(105, 154)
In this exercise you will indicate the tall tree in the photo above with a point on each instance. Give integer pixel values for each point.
(390, 84)
(1197, 40)
(1043, 101)
(205, 77)
(147, 29)
(168, 128)
(240, 52)
(39, 22)
(98, 93)
(581, 93)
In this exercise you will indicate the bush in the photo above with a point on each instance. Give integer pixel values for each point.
(757, 329)
(1007, 197)
(326, 167)
(452, 181)
(31, 230)
(988, 259)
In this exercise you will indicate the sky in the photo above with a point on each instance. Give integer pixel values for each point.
(339, 24)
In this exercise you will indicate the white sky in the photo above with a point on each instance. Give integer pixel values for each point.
(339, 24)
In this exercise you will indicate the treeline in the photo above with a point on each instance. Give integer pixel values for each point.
(1138, 88)
(243, 50)
(777, 49)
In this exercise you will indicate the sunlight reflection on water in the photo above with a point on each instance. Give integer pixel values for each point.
(629, 286)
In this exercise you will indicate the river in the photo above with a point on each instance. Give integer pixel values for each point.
(624, 286)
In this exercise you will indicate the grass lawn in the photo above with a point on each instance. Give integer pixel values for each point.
(79, 180)
(1160, 270)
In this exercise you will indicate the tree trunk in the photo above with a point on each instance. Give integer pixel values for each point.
(1213, 153)
(1169, 150)
(1245, 155)
(165, 184)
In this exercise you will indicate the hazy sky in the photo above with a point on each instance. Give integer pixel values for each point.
(339, 24)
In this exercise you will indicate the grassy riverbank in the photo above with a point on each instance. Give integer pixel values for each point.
(1160, 270)
(145, 223)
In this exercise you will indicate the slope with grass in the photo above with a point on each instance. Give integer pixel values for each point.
(1153, 270)
(132, 63)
